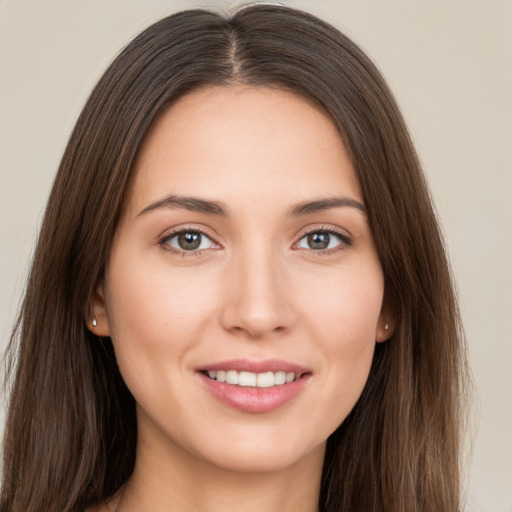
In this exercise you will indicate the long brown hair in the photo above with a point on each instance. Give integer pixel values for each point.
(71, 430)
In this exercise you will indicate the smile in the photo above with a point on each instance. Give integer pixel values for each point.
(250, 379)
(255, 386)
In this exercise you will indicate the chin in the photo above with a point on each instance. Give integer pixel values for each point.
(254, 461)
(263, 451)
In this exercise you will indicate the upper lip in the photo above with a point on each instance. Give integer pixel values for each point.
(263, 366)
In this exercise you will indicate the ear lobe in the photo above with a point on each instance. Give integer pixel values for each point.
(387, 323)
(385, 329)
(97, 321)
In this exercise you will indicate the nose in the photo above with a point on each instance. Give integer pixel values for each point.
(258, 302)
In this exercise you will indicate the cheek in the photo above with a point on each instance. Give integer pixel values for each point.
(343, 320)
(156, 314)
(156, 299)
(346, 309)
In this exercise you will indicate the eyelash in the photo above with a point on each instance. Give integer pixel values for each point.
(164, 242)
(344, 241)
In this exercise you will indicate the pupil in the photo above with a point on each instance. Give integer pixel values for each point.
(318, 240)
(189, 241)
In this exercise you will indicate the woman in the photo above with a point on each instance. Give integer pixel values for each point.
(240, 296)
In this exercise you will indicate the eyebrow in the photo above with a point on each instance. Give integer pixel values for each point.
(324, 204)
(218, 208)
(193, 204)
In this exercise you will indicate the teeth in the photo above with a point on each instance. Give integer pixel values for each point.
(249, 379)
(265, 380)
(232, 377)
(280, 378)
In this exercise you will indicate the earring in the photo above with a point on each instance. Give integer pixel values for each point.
(94, 322)
(386, 327)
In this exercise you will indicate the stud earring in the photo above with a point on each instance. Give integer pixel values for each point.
(386, 327)
(94, 322)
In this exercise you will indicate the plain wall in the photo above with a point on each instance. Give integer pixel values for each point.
(450, 65)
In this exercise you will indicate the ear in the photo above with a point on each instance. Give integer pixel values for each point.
(386, 324)
(97, 321)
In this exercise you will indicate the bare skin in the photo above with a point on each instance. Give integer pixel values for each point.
(284, 269)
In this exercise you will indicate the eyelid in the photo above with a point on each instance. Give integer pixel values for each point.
(169, 234)
(345, 239)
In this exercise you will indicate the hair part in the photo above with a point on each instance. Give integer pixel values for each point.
(71, 434)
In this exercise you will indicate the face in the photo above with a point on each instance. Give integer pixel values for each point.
(243, 292)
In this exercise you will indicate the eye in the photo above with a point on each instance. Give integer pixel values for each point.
(323, 240)
(188, 241)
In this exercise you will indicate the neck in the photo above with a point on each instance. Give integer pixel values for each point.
(173, 480)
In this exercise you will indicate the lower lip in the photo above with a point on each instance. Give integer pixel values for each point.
(253, 399)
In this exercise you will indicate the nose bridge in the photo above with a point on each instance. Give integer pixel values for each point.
(259, 302)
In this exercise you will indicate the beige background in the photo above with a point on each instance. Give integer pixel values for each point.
(450, 65)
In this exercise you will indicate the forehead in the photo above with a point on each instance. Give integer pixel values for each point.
(234, 140)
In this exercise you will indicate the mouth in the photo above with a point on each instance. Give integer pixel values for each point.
(255, 386)
(251, 379)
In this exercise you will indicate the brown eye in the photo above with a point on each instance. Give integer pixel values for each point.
(188, 241)
(318, 240)
(322, 240)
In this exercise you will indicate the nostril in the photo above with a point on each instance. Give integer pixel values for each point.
(257, 309)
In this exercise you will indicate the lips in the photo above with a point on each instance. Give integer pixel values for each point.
(251, 379)
(254, 386)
